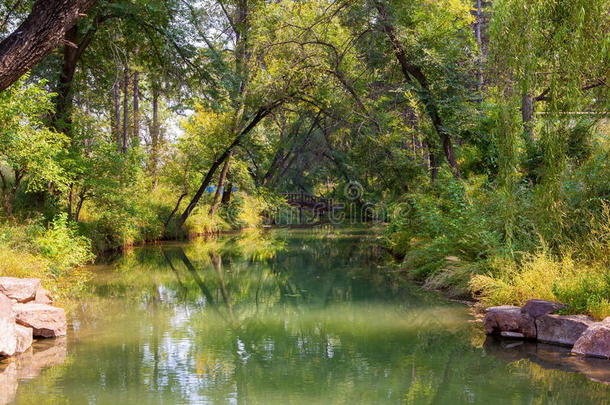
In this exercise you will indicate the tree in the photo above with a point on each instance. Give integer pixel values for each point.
(29, 151)
(41, 32)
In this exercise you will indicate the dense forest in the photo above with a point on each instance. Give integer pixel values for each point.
(477, 129)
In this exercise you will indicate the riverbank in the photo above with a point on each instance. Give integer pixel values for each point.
(56, 251)
(451, 238)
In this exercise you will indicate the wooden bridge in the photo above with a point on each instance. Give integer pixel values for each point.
(316, 204)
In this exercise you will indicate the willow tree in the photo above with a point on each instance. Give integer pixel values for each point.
(553, 59)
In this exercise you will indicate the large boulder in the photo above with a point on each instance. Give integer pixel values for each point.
(19, 289)
(8, 339)
(25, 338)
(45, 320)
(536, 308)
(595, 341)
(562, 329)
(507, 318)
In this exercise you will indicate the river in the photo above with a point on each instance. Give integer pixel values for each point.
(309, 317)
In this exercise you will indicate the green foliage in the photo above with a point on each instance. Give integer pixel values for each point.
(30, 153)
(587, 293)
(54, 255)
(63, 246)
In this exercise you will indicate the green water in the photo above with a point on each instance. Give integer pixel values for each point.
(287, 317)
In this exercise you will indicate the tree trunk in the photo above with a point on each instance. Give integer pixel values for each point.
(41, 32)
(79, 206)
(260, 114)
(226, 196)
(414, 73)
(136, 108)
(116, 113)
(171, 215)
(432, 161)
(221, 182)
(124, 135)
(479, 37)
(155, 133)
(64, 99)
(527, 114)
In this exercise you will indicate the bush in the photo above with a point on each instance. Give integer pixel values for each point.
(63, 246)
(584, 288)
(53, 254)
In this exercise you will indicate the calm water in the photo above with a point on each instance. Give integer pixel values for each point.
(290, 317)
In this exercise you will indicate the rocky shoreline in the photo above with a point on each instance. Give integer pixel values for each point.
(27, 312)
(537, 321)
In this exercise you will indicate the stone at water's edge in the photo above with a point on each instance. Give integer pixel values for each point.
(509, 318)
(595, 341)
(25, 338)
(45, 320)
(562, 329)
(19, 289)
(536, 308)
(8, 339)
(43, 297)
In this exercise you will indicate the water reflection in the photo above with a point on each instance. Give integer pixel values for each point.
(305, 317)
(29, 365)
(549, 357)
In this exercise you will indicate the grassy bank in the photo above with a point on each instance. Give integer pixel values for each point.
(466, 238)
(56, 250)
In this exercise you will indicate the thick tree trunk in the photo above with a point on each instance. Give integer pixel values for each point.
(414, 73)
(220, 186)
(42, 31)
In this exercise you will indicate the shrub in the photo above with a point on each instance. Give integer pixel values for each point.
(63, 246)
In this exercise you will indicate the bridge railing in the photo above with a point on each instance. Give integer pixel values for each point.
(305, 199)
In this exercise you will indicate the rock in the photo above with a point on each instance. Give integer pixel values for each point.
(8, 339)
(536, 308)
(25, 338)
(595, 341)
(562, 329)
(43, 297)
(45, 320)
(508, 318)
(19, 289)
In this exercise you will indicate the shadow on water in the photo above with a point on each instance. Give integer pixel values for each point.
(284, 317)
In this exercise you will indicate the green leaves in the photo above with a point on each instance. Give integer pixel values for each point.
(28, 148)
